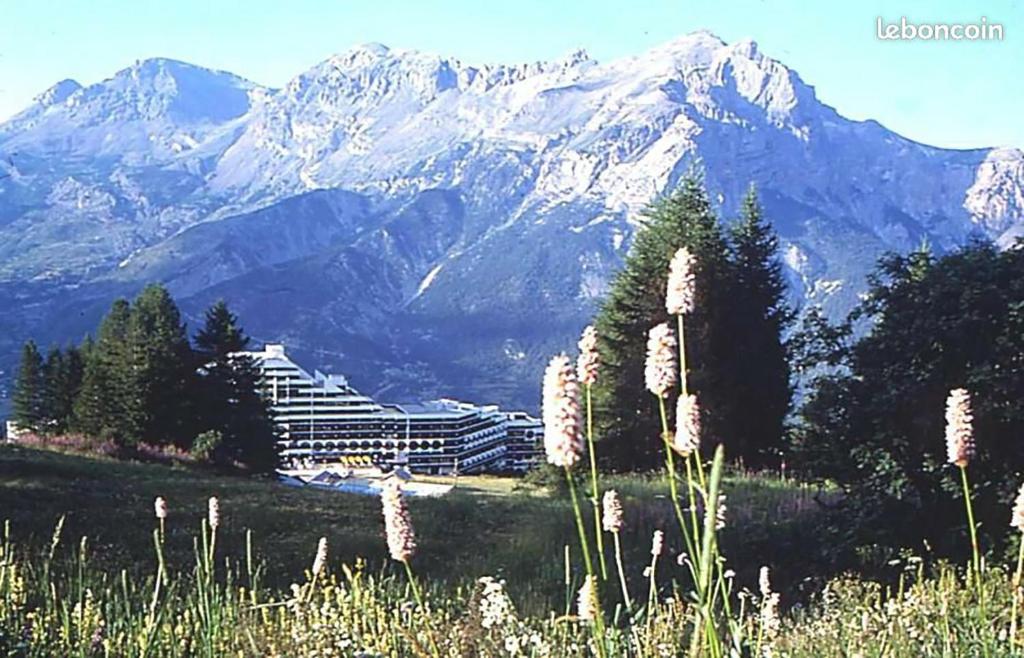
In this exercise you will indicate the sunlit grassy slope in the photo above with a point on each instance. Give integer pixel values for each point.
(487, 526)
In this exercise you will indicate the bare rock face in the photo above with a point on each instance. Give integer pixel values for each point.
(996, 199)
(423, 210)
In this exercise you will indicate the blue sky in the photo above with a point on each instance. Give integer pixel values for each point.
(957, 94)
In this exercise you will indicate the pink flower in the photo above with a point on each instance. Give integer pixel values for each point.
(660, 369)
(563, 438)
(397, 525)
(679, 293)
(611, 512)
(959, 430)
(588, 362)
(687, 438)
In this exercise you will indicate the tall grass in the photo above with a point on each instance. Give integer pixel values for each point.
(55, 600)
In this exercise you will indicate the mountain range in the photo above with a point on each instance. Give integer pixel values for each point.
(434, 227)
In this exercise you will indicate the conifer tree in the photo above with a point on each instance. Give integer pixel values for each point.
(102, 404)
(62, 372)
(28, 390)
(162, 371)
(55, 385)
(233, 404)
(74, 370)
(628, 420)
(761, 388)
(220, 335)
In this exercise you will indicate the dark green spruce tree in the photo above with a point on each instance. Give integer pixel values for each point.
(74, 372)
(628, 420)
(160, 405)
(761, 384)
(103, 401)
(28, 412)
(59, 389)
(232, 402)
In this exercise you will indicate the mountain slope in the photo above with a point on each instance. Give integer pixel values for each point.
(442, 227)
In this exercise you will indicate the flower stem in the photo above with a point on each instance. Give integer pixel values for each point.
(652, 589)
(594, 499)
(599, 616)
(682, 356)
(691, 492)
(706, 561)
(670, 466)
(622, 574)
(975, 554)
(419, 604)
(1016, 592)
(160, 576)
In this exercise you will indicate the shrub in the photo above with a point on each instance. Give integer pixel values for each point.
(205, 446)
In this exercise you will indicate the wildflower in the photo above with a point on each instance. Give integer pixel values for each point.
(160, 507)
(657, 543)
(687, 438)
(96, 641)
(680, 290)
(563, 440)
(586, 600)
(959, 433)
(214, 512)
(495, 605)
(397, 526)
(588, 361)
(1017, 520)
(660, 370)
(321, 557)
(770, 621)
(611, 513)
(764, 582)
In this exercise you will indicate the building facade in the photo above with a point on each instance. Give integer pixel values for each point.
(322, 419)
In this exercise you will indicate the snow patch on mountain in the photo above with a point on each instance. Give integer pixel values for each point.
(427, 280)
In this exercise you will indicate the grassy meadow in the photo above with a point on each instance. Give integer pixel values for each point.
(488, 526)
(92, 590)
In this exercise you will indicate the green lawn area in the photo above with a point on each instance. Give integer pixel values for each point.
(487, 526)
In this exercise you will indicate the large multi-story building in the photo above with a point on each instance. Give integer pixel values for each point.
(323, 419)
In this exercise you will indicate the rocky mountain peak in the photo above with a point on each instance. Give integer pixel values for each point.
(58, 93)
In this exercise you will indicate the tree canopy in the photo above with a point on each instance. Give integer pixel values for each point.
(142, 381)
(874, 420)
(733, 339)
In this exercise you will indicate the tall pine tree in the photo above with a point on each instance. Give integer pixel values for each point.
(103, 402)
(761, 388)
(29, 390)
(232, 402)
(220, 336)
(74, 371)
(627, 413)
(55, 388)
(163, 379)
